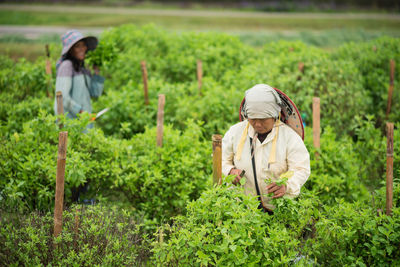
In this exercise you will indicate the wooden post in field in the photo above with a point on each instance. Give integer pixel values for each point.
(217, 158)
(391, 85)
(316, 122)
(301, 69)
(48, 71)
(160, 119)
(59, 203)
(200, 74)
(389, 168)
(60, 106)
(145, 86)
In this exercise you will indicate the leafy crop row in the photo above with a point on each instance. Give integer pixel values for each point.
(337, 220)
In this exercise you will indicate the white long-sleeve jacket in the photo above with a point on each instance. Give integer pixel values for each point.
(291, 155)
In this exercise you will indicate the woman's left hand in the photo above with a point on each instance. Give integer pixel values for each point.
(277, 190)
(96, 69)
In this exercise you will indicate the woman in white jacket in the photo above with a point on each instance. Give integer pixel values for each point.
(265, 148)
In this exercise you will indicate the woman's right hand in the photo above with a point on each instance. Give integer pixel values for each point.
(236, 172)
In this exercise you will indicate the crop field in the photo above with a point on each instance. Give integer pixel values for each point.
(146, 205)
(325, 30)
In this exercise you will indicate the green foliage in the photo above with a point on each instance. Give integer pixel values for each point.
(170, 175)
(93, 235)
(160, 181)
(29, 161)
(14, 115)
(225, 227)
(334, 221)
(336, 82)
(23, 79)
(336, 170)
(129, 115)
(350, 234)
(372, 59)
(371, 148)
(105, 53)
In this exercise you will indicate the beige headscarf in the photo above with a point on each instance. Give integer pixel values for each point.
(262, 101)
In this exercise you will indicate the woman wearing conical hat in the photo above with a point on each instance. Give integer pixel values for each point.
(74, 80)
(272, 154)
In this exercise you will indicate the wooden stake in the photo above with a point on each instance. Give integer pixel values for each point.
(301, 70)
(200, 74)
(160, 119)
(391, 86)
(389, 168)
(60, 105)
(301, 67)
(316, 122)
(145, 86)
(392, 66)
(217, 158)
(59, 198)
(48, 71)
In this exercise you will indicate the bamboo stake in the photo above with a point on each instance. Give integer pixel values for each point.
(217, 158)
(200, 74)
(59, 198)
(145, 85)
(48, 71)
(60, 105)
(391, 86)
(389, 168)
(316, 122)
(160, 119)
(301, 69)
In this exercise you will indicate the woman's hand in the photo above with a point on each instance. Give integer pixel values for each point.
(277, 190)
(96, 69)
(236, 172)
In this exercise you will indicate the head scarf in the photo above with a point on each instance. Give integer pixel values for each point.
(262, 101)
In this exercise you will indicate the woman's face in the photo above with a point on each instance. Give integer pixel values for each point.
(78, 51)
(262, 126)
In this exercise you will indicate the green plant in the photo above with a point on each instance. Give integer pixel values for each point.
(336, 171)
(225, 227)
(94, 235)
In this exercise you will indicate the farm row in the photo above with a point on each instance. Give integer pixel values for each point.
(160, 202)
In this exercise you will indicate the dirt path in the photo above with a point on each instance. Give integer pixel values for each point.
(33, 32)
